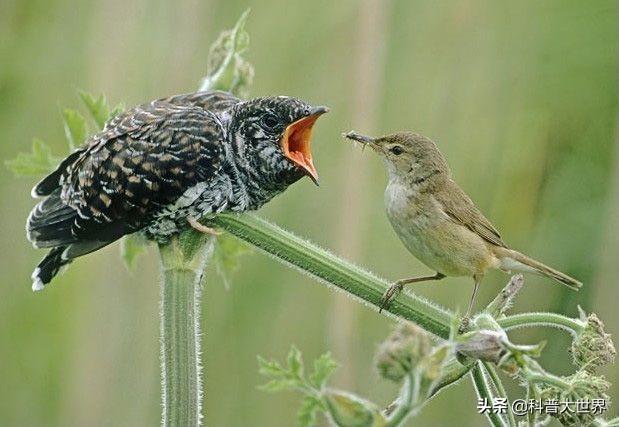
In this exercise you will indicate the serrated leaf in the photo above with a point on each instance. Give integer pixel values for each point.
(39, 161)
(97, 107)
(227, 254)
(324, 366)
(270, 368)
(74, 127)
(295, 362)
(278, 385)
(307, 412)
(131, 247)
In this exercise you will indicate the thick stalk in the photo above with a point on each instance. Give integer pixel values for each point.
(325, 266)
(182, 266)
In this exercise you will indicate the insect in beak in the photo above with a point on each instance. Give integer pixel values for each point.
(297, 139)
(364, 140)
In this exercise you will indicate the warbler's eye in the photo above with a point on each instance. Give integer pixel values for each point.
(397, 150)
(270, 121)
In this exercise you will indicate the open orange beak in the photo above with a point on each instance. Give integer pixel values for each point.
(297, 140)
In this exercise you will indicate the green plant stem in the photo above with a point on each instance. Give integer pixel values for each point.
(409, 397)
(500, 389)
(483, 391)
(531, 320)
(323, 265)
(182, 266)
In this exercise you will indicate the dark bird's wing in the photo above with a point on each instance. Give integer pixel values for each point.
(215, 101)
(143, 160)
(461, 209)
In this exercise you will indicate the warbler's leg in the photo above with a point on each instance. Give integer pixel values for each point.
(397, 287)
(195, 224)
(477, 279)
(466, 320)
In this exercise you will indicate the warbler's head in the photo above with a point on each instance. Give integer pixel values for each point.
(406, 155)
(275, 134)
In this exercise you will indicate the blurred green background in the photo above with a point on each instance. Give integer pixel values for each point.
(522, 98)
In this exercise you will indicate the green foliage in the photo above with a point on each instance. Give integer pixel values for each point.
(41, 161)
(131, 247)
(227, 254)
(310, 405)
(97, 107)
(227, 69)
(74, 127)
(324, 366)
(38, 162)
(292, 377)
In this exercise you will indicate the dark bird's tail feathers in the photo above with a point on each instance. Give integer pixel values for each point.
(50, 226)
(48, 268)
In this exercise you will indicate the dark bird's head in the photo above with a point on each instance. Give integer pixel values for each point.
(274, 135)
(407, 155)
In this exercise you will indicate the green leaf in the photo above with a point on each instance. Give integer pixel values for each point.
(307, 412)
(270, 368)
(227, 254)
(97, 107)
(324, 366)
(131, 247)
(279, 385)
(39, 161)
(74, 127)
(295, 362)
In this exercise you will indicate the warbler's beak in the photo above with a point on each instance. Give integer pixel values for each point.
(364, 140)
(297, 139)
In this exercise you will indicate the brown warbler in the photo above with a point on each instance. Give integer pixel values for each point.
(437, 222)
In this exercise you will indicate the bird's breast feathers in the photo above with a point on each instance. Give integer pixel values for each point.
(428, 232)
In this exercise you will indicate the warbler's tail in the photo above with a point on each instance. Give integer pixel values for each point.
(514, 260)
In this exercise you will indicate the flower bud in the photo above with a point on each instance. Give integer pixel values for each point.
(483, 345)
(348, 410)
(583, 386)
(402, 351)
(494, 346)
(593, 347)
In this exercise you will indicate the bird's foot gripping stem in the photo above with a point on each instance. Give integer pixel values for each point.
(393, 291)
(196, 225)
(397, 287)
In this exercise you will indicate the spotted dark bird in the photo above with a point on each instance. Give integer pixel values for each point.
(160, 167)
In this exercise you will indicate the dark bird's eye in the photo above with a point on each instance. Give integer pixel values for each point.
(397, 150)
(270, 121)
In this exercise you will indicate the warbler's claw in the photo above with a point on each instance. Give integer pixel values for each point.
(390, 294)
(465, 324)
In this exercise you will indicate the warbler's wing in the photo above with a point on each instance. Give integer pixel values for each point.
(461, 209)
(142, 162)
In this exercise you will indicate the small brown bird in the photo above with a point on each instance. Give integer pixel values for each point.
(437, 222)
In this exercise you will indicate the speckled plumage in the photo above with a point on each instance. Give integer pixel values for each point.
(156, 165)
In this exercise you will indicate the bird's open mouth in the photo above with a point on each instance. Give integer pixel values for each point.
(297, 139)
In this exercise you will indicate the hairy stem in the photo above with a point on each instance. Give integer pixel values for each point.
(531, 320)
(183, 266)
(409, 397)
(325, 266)
(484, 392)
(500, 389)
